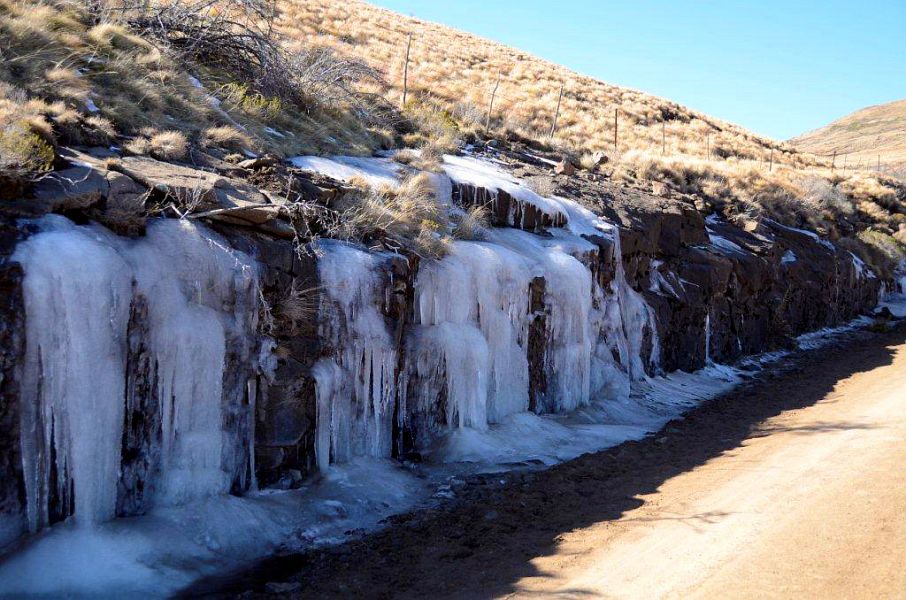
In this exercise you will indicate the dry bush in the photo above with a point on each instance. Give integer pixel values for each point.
(237, 37)
(225, 136)
(26, 137)
(410, 216)
(168, 145)
(472, 224)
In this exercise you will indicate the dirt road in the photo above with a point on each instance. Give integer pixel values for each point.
(794, 486)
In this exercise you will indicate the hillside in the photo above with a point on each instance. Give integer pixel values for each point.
(179, 82)
(876, 133)
(458, 71)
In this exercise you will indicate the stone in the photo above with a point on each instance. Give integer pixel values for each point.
(564, 167)
(202, 190)
(259, 162)
(76, 188)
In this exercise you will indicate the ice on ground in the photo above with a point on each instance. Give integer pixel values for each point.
(485, 174)
(862, 270)
(156, 555)
(378, 172)
(789, 257)
(724, 245)
(826, 243)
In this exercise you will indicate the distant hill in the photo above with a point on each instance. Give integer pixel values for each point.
(863, 135)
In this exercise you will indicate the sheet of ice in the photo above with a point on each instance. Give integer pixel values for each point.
(658, 283)
(724, 245)
(789, 257)
(188, 276)
(485, 174)
(862, 270)
(826, 243)
(83, 286)
(477, 300)
(821, 337)
(77, 293)
(156, 555)
(895, 300)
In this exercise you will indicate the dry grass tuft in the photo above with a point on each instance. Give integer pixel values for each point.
(409, 216)
(168, 145)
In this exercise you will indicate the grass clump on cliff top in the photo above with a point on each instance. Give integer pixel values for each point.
(409, 216)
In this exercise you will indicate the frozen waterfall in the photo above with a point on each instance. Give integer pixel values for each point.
(115, 326)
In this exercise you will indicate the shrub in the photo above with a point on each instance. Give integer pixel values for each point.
(21, 149)
(224, 136)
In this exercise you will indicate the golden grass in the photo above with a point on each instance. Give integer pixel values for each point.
(457, 71)
(57, 58)
(864, 138)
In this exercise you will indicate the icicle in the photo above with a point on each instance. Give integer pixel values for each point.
(79, 286)
(358, 416)
(77, 293)
(708, 360)
(201, 293)
(480, 288)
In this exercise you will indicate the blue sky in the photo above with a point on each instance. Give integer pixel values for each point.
(777, 68)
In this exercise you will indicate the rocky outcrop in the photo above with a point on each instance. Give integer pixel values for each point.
(673, 289)
(12, 348)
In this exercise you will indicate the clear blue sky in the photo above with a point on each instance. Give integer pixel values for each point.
(777, 68)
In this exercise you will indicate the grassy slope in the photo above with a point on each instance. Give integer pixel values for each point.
(454, 72)
(458, 71)
(58, 63)
(864, 135)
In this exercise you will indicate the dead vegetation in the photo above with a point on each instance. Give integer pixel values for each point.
(162, 77)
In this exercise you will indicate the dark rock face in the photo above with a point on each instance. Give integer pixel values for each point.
(753, 298)
(12, 347)
(506, 211)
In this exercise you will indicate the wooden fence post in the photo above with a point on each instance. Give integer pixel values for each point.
(487, 125)
(834, 162)
(771, 167)
(556, 113)
(664, 138)
(406, 71)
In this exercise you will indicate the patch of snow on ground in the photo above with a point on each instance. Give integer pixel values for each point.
(156, 555)
(377, 172)
(789, 257)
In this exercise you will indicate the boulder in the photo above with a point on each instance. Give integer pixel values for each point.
(201, 190)
(76, 188)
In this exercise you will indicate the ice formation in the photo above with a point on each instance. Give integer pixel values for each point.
(356, 387)
(94, 302)
(377, 172)
(518, 348)
(72, 403)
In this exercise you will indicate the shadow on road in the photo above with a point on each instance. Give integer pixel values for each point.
(484, 543)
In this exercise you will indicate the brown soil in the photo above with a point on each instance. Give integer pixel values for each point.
(792, 486)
